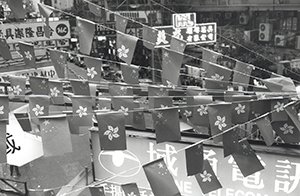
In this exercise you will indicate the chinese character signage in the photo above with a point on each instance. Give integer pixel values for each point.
(31, 32)
(184, 20)
(199, 34)
(281, 175)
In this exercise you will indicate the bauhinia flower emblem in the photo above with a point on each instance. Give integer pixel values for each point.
(279, 107)
(187, 113)
(1, 109)
(240, 109)
(206, 177)
(54, 92)
(217, 77)
(17, 90)
(202, 110)
(28, 55)
(123, 52)
(221, 122)
(91, 72)
(82, 111)
(38, 110)
(287, 129)
(124, 110)
(112, 132)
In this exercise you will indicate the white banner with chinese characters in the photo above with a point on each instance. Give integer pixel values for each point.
(32, 32)
(281, 175)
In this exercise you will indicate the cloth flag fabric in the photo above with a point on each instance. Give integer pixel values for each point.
(149, 37)
(171, 64)
(116, 89)
(59, 60)
(56, 92)
(280, 84)
(160, 102)
(160, 179)
(39, 85)
(97, 191)
(55, 135)
(130, 74)
(265, 127)
(293, 115)
(4, 108)
(278, 112)
(103, 103)
(260, 107)
(208, 57)
(18, 85)
(166, 125)
(215, 84)
(80, 87)
(3, 136)
(246, 159)
(138, 120)
(27, 51)
(23, 119)
(157, 91)
(86, 31)
(218, 72)
(240, 111)
(194, 159)
(200, 109)
(38, 106)
(17, 9)
(287, 131)
(131, 189)
(93, 70)
(4, 49)
(241, 74)
(207, 179)
(125, 47)
(219, 119)
(112, 130)
(46, 12)
(177, 44)
(124, 104)
(121, 23)
(98, 11)
(230, 141)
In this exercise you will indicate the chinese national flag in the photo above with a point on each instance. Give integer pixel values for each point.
(171, 64)
(230, 141)
(46, 12)
(3, 136)
(160, 102)
(149, 37)
(4, 108)
(131, 189)
(138, 120)
(246, 159)
(219, 119)
(177, 44)
(86, 31)
(208, 57)
(287, 130)
(80, 87)
(27, 51)
(207, 179)
(93, 70)
(38, 106)
(17, 9)
(126, 46)
(241, 74)
(166, 125)
(39, 85)
(157, 91)
(56, 135)
(97, 191)
(278, 112)
(160, 179)
(98, 11)
(124, 104)
(56, 92)
(200, 109)
(240, 111)
(121, 23)
(112, 130)
(194, 159)
(115, 89)
(130, 74)
(4, 49)
(18, 85)
(59, 60)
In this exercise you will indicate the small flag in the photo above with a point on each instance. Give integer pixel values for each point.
(218, 72)
(103, 103)
(4, 49)
(207, 179)
(278, 112)
(194, 159)
(46, 12)
(80, 87)
(115, 89)
(149, 37)
(287, 131)
(200, 109)
(230, 141)
(59, 60)
(112, 130)
(4, 108)
(131, 189)
(98, 11)
(18, 85)
(126, 46)
(93, 68)
(3, 136)
(27, 51)
(56, 92)
(160, 178)
(215, 84)
(160, 102)
(280, 84)
(86, 31)
(241, 73)
(97, 191)
(138, 120)
(260, 107)
(246, 159)
(240, 111)
(23, 119)
(125, 105)
(39, 85)
(38, 106)
(121, 23)
(208, 57)
(265, 127)
(55, 134)
(17, 9)
(166, 125)
(293, 115)
(130, 74)
(157, 91)
(177, 45)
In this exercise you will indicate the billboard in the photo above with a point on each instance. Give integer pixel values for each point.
(31, 32)
(280, 177)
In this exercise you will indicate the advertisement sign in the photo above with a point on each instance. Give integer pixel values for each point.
(281, 175)
(184, 20)
(199, 34)
(31, 32)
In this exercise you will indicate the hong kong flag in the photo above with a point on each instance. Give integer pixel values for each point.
(93, 69)
(46, 12)
(131, 189)
(194, 159)
(27, 51)
(125, 47)
(4, 49)
(18, 85)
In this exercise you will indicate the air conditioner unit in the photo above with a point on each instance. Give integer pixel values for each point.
(280, 40)
(265, 32)
(251, 35)
(243, 19)
(297, 42)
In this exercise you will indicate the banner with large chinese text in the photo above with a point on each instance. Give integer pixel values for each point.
(280, 176)
(32, 32)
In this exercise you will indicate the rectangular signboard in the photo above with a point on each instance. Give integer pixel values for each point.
(185, 20)
(31, 32)
(280, 176)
